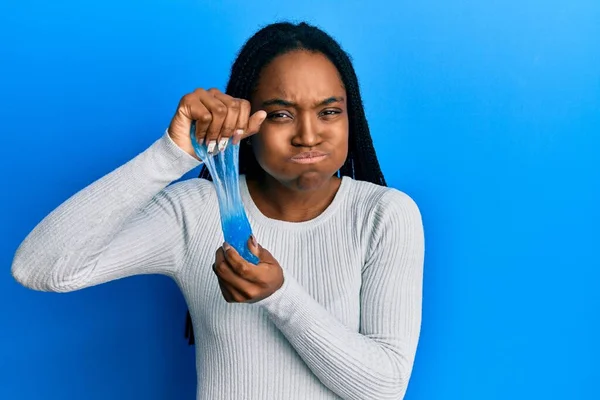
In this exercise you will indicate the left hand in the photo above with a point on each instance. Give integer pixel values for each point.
(243, 282)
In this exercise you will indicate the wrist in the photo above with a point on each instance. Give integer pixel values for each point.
(276, 296)
(185, 147)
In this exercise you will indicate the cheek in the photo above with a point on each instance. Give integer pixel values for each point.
(277, 144)
(342, 140)
(272, 146)
(342, 151)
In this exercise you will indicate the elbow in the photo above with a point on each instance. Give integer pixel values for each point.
(25, 276)
(23, 269)
(34, 280)
(388, 387)
(28, 277)
(394, 387)
(19, 270)
(392, 384)
(399, 389)
(19, 276)
(27, 272)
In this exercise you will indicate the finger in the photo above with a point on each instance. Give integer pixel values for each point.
(236, 284)
(219, 256)
(232, 294)
(191, 109)
(253, 246)
(254, 123)
(222, 285)
(218, 111)
(263, 254)
(229, 124)
(238, 265)
(242, 122)
(227, 295)
(203, 117)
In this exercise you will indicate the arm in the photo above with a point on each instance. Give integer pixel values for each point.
(375, 363)
(123, 224)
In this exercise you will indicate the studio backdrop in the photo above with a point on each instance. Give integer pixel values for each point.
(487, 113)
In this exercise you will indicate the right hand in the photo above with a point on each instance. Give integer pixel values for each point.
(218, 116)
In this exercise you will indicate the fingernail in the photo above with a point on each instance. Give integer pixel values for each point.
(239, 132)
(254, 242)
(211, 146)
(226, 246)
(223, 144)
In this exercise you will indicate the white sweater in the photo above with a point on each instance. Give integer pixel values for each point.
(345, 324)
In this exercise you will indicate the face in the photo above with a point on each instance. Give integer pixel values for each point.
(304, 140)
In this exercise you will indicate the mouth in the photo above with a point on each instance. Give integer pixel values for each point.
(309, 157)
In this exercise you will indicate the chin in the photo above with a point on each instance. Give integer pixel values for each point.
(311, 180)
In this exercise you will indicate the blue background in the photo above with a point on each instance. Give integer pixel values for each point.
(486, 112)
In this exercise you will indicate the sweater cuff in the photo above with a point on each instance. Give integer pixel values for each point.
(169, 154)
(164, 161)
(288, 301)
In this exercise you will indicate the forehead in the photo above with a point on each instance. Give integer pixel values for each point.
(300, 75)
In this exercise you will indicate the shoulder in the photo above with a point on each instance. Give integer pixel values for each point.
(191, 187)
(391, 233)
(378, 203)
(398, 204)
(386, 219)
(191, 194)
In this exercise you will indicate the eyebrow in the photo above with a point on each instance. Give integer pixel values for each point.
(287, 103)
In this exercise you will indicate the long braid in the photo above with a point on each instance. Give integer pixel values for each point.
(280, 38)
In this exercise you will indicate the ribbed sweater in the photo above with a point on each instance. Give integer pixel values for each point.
(345, 324)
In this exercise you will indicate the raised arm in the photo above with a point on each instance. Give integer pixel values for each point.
(130, 222)
(127, 222)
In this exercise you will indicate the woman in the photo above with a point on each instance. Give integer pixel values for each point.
(333, 309)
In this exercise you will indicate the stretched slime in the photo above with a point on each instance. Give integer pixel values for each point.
(224, 170)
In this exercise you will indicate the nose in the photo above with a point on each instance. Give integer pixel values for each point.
(307, 132)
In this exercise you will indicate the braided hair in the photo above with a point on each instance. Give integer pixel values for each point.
(281, 38)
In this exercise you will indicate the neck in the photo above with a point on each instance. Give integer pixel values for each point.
(287, 202)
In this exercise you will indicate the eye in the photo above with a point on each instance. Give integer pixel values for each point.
(278, 116)
(329, 113)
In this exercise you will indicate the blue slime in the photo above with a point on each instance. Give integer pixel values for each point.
(224, 169)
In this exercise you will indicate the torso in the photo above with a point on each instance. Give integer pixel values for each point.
(237, 344)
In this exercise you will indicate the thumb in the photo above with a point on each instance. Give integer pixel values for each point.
(256, 249)
(253, 246)
(255, 122)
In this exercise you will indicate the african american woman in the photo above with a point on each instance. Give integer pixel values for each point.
(333, 308)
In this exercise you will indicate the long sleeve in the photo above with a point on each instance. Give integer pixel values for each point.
(127, 222)
(377, 361)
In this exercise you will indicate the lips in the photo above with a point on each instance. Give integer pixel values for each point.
(309, 155)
